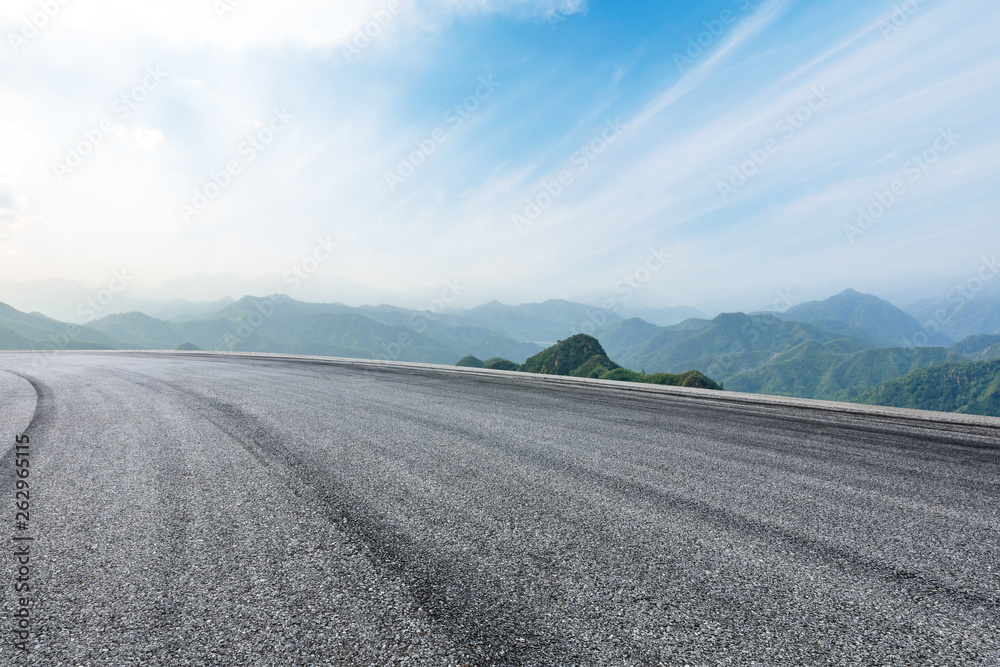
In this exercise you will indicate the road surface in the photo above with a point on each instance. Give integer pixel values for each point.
(200, 509)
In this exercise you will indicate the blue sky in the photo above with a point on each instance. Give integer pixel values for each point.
(745, 140)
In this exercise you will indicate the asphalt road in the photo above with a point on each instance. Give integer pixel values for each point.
(195, 509)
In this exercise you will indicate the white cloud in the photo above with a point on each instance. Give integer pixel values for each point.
(237, 25)
(326, 173)
(148, 139)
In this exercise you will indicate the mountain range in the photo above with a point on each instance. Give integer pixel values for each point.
(842, 348)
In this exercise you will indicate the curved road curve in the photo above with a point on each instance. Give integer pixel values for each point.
(211, 509)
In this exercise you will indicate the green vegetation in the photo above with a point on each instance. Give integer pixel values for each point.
(471, 362)
(568, 356)
(498, 364)
(597, 366)
(583, 356)
(979, 348)
(971, 388)
(695, 379)
(834, 371)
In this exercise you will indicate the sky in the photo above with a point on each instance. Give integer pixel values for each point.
(667, 153)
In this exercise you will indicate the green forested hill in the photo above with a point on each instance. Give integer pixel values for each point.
(727, 345)
(833, 371)
(568, 356)
(972, 388)
(978, 348)
(583, 356)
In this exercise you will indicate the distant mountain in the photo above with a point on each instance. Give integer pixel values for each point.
(185, 311)
(979, 348)
(264, 325)
(834, 371)
(36, 331)
(142, 331)
(70, 301)
(544, 322)
(849, 331)
(962, 316)
(11, 340)
(730, 344)
(318, 288)
(619, 338)
(470, 361)
(869, 318)
(972, 388)
(664, 316)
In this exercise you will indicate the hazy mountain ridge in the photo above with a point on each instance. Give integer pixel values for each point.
(961, 316)
(867, 314)
(45, 332)
(830, 357)
(284, 325)
(725, 346)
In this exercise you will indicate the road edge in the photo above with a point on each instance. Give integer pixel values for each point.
(906, 414)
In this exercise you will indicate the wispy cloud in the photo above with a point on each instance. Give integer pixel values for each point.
(687, 131)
